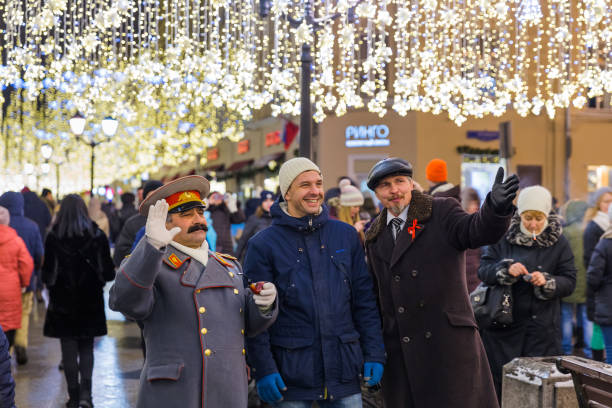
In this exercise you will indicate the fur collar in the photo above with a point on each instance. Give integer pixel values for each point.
(420, 209)
(547, 238)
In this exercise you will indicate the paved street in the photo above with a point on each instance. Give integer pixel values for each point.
(118, 359)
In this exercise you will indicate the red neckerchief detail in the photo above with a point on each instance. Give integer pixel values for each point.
(412, 229)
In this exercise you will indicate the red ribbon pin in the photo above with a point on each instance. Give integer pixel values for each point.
(412, 229)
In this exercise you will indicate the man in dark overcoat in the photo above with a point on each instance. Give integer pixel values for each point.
(192, 303)
(415, 250)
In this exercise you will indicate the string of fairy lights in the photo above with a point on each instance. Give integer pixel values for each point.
(181, 74)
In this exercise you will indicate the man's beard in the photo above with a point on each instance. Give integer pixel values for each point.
(396, 209)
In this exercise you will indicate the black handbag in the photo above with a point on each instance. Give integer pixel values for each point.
(492, 305)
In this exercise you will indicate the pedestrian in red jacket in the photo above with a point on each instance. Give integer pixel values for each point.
(16, 267)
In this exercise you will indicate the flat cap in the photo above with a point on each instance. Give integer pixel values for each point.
(181, 194)
(390, 166)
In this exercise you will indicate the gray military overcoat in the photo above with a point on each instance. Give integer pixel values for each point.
(195, 319)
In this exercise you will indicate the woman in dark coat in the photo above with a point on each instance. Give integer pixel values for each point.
(599, 281)
(536, 259)
(77, 265)
(258, 221)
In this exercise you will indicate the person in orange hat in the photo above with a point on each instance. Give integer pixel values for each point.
(192, 303)
(437, 175)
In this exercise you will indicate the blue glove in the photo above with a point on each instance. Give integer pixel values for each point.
(270, 386)
(372, 373)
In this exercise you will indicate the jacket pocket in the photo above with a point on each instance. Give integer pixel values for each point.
(461, 319)
(294, 357)
(351, 357)
(171, 371)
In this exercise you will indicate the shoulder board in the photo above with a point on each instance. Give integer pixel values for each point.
(220, 259)
(227, 256)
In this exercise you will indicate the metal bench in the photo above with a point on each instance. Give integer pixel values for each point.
(592, 380)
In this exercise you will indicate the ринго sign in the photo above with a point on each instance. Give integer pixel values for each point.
(367, 136)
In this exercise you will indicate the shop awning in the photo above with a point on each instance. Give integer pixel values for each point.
(263, 161)
(236, 166)
(214, 167)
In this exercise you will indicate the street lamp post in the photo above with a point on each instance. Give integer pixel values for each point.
(306, 58)
(109, 128)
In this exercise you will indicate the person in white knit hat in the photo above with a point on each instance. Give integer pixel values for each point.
(348, 205)
(328, 331)
(535, 260)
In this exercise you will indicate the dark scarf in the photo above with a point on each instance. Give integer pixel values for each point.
(547, 238)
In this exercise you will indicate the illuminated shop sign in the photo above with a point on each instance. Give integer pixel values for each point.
(367, 136)
(212, 154)
(243, 146)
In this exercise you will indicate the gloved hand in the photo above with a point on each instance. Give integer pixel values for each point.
(230, 201)
(503, 193)
(266, 296)
(155, 229)
(269, 388)
(372, 373)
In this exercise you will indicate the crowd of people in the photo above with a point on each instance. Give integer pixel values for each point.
(359, 291)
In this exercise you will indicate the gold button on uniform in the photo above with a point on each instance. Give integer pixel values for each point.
(202, 309)
(231, 274)
(197, 290)
(207, 352)
(242, 331)
(243, 351)
(236, 291)
(204, 331)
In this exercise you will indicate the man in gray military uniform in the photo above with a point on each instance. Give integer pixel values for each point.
(192, 303)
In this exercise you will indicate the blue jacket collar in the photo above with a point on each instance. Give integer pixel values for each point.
(308, 223)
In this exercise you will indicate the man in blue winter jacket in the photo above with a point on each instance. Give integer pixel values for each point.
(328, 330)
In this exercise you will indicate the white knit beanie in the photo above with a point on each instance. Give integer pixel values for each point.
(350, 196)
(291, 169)
(535, 198)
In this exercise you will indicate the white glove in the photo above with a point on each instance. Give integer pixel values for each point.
(266, 297)
(155, 230)
(230, 201)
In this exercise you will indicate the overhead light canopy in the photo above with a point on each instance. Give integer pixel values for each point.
(109, 126)
(77, 124)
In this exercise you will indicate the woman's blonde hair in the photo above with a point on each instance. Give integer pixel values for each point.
(592, 211)
(344, 215)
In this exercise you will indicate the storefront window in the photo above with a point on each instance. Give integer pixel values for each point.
(218, 186)
(271, 183)
(598, 176)
(247, 185)
(478, 171)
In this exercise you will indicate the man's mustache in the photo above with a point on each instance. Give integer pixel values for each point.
(197, 227)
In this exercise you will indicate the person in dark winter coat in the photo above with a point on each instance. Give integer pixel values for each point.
(224, 212)
(573, 213)
(260, 220)
(193, 304)
(599, 280)
(470, 201)
(437, 178)
(537, 261)
(123, 245)
(76, 268)
(128, 208)
(35, 209)
(597, 222)
(7, 383)
(328, 328)
(30, 233)
(415, 249)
